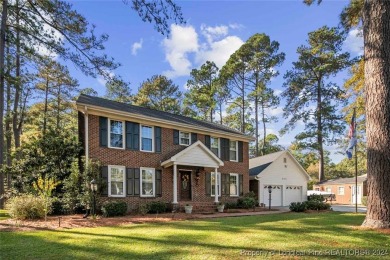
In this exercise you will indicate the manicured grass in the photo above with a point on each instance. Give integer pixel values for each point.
(3, 214)
(202, 239)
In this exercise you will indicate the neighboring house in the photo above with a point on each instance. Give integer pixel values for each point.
(344, 189)
(149, 155)
(283, 173)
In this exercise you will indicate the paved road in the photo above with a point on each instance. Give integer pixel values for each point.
(348, 208)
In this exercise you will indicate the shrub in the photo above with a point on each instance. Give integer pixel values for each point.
(26, 207)
(364, 200)
(317, 205)
(58, 207)
(231, 205)
(298, 206)
(143, 209)
(157, 207)
(315, 197)
(250, 194)
(114, 208)
(246, 202)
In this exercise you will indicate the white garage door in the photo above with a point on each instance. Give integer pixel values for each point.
(293, 194)
(276, 195)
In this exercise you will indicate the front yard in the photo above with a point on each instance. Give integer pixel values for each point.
(3, 214)
(310, 234)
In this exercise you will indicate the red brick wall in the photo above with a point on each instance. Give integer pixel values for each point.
(137, 159)
(341, 199)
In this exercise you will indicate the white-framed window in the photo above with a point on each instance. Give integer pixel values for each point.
(328, 189)
(116, 181)
(185, 138)
(340, 190)
(148, 182)
(233, 151)
(215, 146)
(213, 183)
(233, 179)
(317, 189)
(147, 140)
(116, 133)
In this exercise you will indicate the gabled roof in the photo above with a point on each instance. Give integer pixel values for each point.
(360, 179)
(259, 164)
(155, 114)
(191, 156)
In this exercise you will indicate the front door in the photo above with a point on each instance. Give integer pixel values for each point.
(185, 185)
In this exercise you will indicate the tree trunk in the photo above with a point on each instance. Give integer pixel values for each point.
(58, 108)
(243, 105)
(376, 30)
(8, 120)
(321, 174)
(264, 128)
(220, 112)
(257, 124)
(46, 101)
(2, 66)
(17, 85)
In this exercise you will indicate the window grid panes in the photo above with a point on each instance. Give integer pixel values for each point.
(233, 151)
(147, 182)
(214, 145)
(116, 134)
(341, 191)
(117, 181)
(233, 185)
(213, 184)
(146, 138)
(184, 138)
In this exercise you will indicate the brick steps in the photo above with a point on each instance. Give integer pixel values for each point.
(198, 207)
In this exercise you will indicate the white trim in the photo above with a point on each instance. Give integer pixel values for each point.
(338, 190)
(86, 141)
(236, 160)
(109, 180)
(189, 138)
(174, 184)
(237, 185)
(154, 183)
(140, 138)
(109, 134)
(219, 182)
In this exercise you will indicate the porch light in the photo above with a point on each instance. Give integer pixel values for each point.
(93, 185)
(269, 198)
(94, 190)
(269, 189)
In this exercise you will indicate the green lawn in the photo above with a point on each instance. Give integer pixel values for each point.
(3, 214)
(202, 239)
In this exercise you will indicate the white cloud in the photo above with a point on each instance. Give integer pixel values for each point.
(136, 46)
(183, 40)
(354, 42)
(184, 50)
(102, 81)
(278, 92)
(276, 111)
(236, 26)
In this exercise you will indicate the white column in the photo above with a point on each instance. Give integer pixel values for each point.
(86, 136)
(258, 190)
(174, 184)
(216, 186)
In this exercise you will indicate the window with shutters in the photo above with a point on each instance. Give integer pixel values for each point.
(116, 181)
(146, 138)
(233, 151)
(148, 182)
(233, 180)
(184, 138)
(215, 146)
(213, 183)
(116, 134)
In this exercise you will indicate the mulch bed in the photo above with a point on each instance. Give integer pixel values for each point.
(77, 221)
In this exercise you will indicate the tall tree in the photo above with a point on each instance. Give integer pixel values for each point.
(264, 58)
(376, 31)
(311, 96)
(202, 90)
(159, 93)
(118, 90)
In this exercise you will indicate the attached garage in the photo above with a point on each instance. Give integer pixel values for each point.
(283, 173)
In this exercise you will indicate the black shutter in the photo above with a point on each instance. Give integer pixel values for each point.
(136, 182)
(208, 184)
(225, 147)
(130, 181)
(194, 138)
(207, 141)
(103, 131)
(104, 181)
(175, 136)
(132, 136)
(225, 179)
(158, 183)
(135, 136)
(240, 151)
(240, 185)
(157, 139)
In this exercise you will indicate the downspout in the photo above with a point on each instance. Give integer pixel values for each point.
(86, 136)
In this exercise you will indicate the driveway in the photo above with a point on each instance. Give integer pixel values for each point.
(349, 208)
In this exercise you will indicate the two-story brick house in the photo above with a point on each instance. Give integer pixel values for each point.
(150, 155)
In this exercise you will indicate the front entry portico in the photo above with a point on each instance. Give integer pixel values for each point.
(197, 155)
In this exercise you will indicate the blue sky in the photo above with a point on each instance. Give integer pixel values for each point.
(213, 31)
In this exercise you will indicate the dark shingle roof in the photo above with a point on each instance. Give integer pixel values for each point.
(259, 164)
(105, 103)
(361, 178)
(256, 170)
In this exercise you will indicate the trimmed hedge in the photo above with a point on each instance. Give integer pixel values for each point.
(309, 205)
(157, 207)
(114, 208)
(298, 206)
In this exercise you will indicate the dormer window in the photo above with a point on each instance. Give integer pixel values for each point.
(184, 138)
(116, 134)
